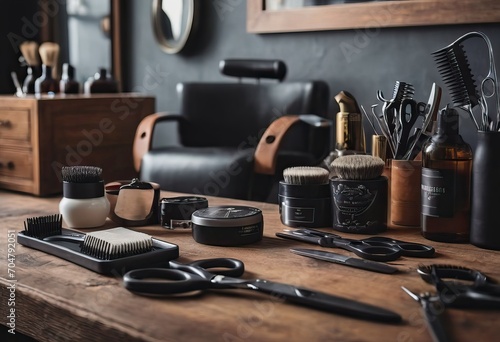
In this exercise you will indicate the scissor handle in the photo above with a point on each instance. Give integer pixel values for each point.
(411, 249)
(163, 281)
(366, 250)
(206, 268)
(182, 278)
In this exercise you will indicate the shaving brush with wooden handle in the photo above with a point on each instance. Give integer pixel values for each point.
(29, 50)
(47, 83)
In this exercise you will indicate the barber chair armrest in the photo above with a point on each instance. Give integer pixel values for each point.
(268, 147)
(144, 134)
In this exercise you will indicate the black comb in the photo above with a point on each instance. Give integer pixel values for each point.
(43, 226)
(453, 66)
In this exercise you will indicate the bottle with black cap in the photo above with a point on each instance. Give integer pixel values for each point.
(68, 85)
(446, 182)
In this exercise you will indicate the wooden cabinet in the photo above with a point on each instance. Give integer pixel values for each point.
(39, 135)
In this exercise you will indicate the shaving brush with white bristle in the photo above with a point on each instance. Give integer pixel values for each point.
(47, 83)
(29, 50)
(304, 197)
(359, 194)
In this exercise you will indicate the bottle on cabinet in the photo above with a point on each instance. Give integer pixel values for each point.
(100, 83)
(47, 83)
(446, 182)
(68, 85)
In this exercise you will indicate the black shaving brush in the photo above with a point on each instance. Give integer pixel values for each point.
(84, 204)
(304, 197)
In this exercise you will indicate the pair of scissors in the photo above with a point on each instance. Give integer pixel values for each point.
(409, 112)
(195, 276)
(376, 248)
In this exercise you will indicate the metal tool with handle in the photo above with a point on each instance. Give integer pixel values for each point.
(373, 248)
(430, 115)
(363, 264)
(182, 278)
(408, 115)
(462, 287)
(433, 311)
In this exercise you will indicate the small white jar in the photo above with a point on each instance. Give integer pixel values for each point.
(84, 205)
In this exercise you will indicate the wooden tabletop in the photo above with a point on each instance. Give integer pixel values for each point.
(58, 300)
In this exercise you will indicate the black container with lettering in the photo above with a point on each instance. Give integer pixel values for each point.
(446, 182)
(305, 205)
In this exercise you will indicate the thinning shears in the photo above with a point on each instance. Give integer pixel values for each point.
(195, 276)
(376, 248)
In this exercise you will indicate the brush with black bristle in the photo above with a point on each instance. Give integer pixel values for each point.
(81, 174)
(84, 204)
(43, 226)
(453, 66)
(302, 175)
(358, 167)
(106, 244)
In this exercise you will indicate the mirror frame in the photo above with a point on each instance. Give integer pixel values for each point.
(48, 33)
(164, 44)
(370, 15)
(116, 45)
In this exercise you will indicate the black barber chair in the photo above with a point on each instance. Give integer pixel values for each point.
(235, 139)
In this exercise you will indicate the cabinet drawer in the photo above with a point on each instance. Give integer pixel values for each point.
(16, 163)
(15, 124)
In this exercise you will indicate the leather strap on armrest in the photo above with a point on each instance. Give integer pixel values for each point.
(267, 149)
(144, 135)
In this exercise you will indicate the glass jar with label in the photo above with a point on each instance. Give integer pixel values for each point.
(446, 182)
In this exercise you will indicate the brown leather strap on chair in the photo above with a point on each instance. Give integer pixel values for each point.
(267, 149)
(143, 138)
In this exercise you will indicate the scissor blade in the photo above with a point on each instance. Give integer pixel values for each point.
(345, 260)
(315, 240)
(324, 301)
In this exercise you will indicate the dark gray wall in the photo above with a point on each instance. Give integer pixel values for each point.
(376, 59)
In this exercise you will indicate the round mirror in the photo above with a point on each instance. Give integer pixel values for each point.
(172, 23)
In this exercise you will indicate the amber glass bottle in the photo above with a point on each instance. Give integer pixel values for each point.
(446, 182)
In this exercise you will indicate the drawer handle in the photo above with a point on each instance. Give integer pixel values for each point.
(10, 165)
(4, 123)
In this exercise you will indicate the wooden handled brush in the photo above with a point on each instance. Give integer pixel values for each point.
(29, 50)
(49, 52)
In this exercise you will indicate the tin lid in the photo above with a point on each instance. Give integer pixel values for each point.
(227, 216)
